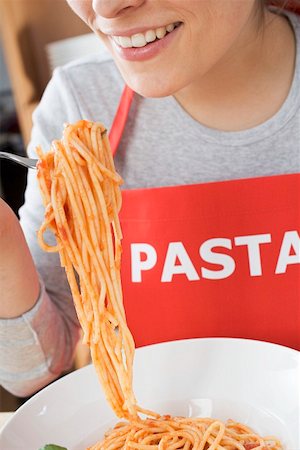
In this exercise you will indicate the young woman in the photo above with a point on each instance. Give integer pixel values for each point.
(212, 248)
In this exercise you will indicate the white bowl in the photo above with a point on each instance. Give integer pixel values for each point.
(253, 382)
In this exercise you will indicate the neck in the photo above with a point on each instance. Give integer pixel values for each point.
(250, 83)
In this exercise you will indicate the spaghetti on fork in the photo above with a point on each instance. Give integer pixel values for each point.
(81, 193)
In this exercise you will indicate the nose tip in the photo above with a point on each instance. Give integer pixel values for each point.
(113, 8)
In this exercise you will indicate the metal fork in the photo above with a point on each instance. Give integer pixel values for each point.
(27, 162)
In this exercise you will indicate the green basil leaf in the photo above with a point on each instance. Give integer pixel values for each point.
(53, 447)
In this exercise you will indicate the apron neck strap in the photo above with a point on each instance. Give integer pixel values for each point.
(120, 118)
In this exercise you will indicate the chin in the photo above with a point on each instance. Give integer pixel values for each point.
(149, 84)
(149, 87)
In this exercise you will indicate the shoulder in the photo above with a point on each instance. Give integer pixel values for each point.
(87, 88)
(84, 79)
(93, 84)
(91, 70)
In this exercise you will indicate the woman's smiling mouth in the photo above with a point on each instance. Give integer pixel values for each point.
(143, 44)
(142, 39)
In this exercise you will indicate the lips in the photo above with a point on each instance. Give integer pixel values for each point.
(142, 39)
(147, 44)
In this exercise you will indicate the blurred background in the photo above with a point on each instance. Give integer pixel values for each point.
(33, 41)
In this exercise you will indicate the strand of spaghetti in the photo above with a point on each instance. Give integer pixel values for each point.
(186, 446)
(102, 245)
(159, 432)
(128, 397)
(116, 222)
(118, 362)
(118, 304)
(88, 201)
(94, 225)
(43, 186)
(69, 164)
(94, 211)
(73, 285)
(109, 155)
(65, 166)
(243, 432)
(273, 439)
(148, 412)
(100, 151)
(105, 184)
(45, 178)
(81, 243)
(87, 310)
(94, 143)
(121, 396)
(232, 443)
(82, 317)
(120, 377)
(214, 441)
(107, 195)
(63, 227)
(108, 188)
(107, 377)
(49, 214)
(114, 382)
(85, 139)
(108, 241)
(191, 435)
(112, 263)
(83, 151)
(65, 236)
(40, 235)
(88, 137)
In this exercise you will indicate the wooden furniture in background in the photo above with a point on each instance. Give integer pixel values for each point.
(27, 26)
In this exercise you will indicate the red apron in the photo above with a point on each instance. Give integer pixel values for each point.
(214, 259)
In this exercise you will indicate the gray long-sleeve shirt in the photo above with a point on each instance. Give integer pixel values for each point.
(36, 347)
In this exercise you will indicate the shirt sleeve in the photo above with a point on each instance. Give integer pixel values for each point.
(38, 346)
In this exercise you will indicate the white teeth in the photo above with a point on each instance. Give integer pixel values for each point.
(170, 27)
(125, 41)
(138, 40)
(161, 32)
(150, 36)
(142, 39)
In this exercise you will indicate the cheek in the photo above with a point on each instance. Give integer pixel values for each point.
(215, 35)
(83, 8)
